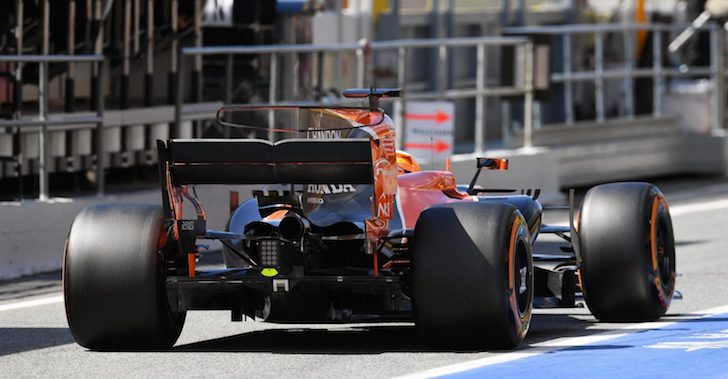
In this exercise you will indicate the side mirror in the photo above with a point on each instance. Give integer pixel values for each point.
(492, 163)
(488, 164)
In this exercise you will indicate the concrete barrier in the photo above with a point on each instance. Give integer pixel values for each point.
(534, 168)
(33, 233)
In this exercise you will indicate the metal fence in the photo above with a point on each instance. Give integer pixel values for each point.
(628, 73)
(42, 119)
(181, 112)
(403, 48)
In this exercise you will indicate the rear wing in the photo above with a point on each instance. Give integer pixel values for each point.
(246, 161)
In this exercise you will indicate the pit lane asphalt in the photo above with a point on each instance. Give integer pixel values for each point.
(35, 340)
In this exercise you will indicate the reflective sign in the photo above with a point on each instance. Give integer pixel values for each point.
(429, 130)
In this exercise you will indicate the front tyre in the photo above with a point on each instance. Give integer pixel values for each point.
(628, 252)
(472, 276)
(114, 281)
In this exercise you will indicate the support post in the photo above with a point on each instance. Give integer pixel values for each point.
(18, 99)
(361, 66)
(480, 100)
(528, 97)
(172, 86)
(568, 98)
(99, 137)
(401, 83)
(628, 69)
(228, 86)
(658, 84)
(149, 74)
(137, 26)
(70, 100)
(43, 193)
(717, 66)
(126, 63)
(599, 75)
(272, 87)
(197, 70)
(176, 127)
(442, 84)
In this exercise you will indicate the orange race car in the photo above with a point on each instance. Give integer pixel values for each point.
(344, 228)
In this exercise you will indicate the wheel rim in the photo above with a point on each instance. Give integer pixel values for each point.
(665, 261)
(522, 274)
(520, 278)
(662, 251)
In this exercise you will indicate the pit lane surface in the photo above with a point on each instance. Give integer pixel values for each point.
(35, 340)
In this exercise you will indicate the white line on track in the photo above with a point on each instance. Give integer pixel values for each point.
(698, 207)
(31, 303)
(558, 344)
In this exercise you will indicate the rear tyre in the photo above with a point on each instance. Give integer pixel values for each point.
(472, 276)
(114, 280)
(628, 252)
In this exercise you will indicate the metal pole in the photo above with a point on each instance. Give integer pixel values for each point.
(197, 70)
(98, 91)
(176, 127)
(480, 100)
(628, 80)
(319, 72)
(99, 138)
(137, 25)
(18, 100)
(229, 79)
(717, 63)
(657, 80)
(43, 107)
(172, 85)
(149, 75)
(228, 86)
(599, 75)
(442, 84)
(126, 64)
(528, 98)
(360, 64)
(272, 93)
(359, 19)
(70, 82)
(98, 48)
(568, 100)
(69, 103)
(339, 35)
(401, 83)
(197, 73)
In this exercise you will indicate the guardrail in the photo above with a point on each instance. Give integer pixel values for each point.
(42, 118)
(716, 71)
(362, 49)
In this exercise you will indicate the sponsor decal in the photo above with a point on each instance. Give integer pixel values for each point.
(323, 133)
(188, 225)
(329, 189)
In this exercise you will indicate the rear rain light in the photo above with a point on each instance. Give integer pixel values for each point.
(269, 252)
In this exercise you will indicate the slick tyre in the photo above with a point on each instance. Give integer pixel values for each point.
(472, 276)
(628, 252)
(114, 281)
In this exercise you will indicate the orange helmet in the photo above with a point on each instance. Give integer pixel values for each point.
(406, 163)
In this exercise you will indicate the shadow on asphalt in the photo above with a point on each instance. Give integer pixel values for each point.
(18, 340)
(375, 339)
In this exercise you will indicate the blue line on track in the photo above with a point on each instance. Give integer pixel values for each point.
(697, 348)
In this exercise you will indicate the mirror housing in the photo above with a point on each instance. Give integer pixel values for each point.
(492, 163)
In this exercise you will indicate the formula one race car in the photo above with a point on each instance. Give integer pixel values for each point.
(345, 228)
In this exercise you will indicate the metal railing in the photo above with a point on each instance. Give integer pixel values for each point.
(628, 73)
(42, 119)
(362, 49)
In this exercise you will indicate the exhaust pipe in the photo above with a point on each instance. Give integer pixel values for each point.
(292, 227)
